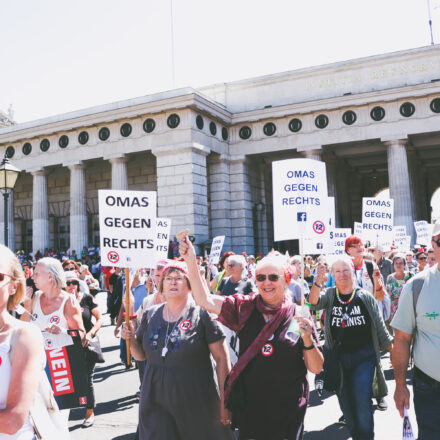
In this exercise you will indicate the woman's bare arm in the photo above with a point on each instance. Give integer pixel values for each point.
(26, 369)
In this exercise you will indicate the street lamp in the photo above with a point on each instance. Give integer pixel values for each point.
(8, 177)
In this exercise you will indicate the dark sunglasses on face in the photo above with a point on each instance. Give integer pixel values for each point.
(421, 258)
(69, 283)
(3, 275)
(67, 269)
(437, 242)
(271, 277)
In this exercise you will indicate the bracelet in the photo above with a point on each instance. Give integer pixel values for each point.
(318, 285)
(310, 347)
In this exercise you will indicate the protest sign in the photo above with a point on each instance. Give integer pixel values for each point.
(423, 231)
(66, 368)
(357, 229)
(406, 244)
(339, 235)
(299, 195)
(322, 243)
(216, 249)
(377, 218)
(399, 234)
(163, 227)
(127, 223)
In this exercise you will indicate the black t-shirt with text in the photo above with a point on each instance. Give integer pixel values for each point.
(356, 330)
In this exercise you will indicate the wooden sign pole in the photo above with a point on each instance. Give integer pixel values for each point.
(127, 311)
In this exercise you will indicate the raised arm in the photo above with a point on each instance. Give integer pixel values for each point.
(315, 290)
(200, 291)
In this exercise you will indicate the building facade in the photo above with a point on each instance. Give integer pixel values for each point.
(375, 122)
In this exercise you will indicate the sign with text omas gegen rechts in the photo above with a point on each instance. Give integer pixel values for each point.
(299, 198)
(377, 218)
(127, 223)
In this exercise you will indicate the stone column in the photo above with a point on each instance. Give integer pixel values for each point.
(262, 239)
(242, 227)
(78, 208)
(313, 154)
(119, 172)
(220, 196)
(40, 212)
(11, 228)
(400, 188)
(182, 189)
(344, 198)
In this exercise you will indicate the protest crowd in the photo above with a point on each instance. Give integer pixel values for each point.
(224, 348)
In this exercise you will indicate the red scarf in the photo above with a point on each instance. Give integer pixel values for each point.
(268, 330)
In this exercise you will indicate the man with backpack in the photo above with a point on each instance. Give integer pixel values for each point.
(417, 321)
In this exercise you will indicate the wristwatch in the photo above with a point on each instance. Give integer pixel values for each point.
(318, 285)
(310, 347)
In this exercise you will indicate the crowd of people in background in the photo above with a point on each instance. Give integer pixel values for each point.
(251, 325)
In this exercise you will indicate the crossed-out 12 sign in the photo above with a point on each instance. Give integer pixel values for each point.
(113, 257)
(319, 227)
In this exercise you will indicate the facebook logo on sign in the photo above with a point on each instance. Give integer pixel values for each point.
(301, 216)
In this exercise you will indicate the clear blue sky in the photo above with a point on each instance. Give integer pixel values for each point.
(58, 56)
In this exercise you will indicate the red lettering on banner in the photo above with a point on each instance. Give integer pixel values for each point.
(60, 371)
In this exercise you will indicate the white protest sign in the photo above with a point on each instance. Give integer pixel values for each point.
(163, 227)
(385, 241)
(299, 195)
(406, 245)
(127, 223)
(216, 249)
(399, 234)
(321, 243)
(339, 235)
(423, 231)
(357, 230)
(377, 217)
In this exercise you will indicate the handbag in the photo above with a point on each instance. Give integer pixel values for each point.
(333, 373)
(94, 352)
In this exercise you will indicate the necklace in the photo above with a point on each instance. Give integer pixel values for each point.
(168, 335)
(345, 302)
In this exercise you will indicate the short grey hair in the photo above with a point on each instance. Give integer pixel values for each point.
(237, 259)
(296, 259)
(345, 259)
(54, 267)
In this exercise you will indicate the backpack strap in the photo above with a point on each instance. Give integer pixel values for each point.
(416, 289)
(370, 269)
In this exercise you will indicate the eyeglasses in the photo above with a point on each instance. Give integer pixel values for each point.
(231, 265)
(3, 275)
(174, 280)
(69, 283)
(67, 269)
(271, 277)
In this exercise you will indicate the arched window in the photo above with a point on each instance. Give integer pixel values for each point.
(383, 194)
(435, 205)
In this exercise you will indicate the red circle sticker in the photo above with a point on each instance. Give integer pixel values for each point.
(267, 350)
(319, 227)
(0, 361)
(185, 325)
(54, 320)
(113, 257)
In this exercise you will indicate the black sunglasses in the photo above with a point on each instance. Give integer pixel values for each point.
(75, 283)
(422, 258)
(437, 242)
(67, 269)
(271, 277)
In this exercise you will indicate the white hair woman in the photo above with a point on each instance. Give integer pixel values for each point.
(52, 309)
(22, 356)
(267, 389)
(355, 328)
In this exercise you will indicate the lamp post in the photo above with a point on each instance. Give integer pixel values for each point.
(8, 177)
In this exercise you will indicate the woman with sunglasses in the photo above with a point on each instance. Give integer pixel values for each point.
(267, 389)
(178, 399)
(22, 356)
(89, 310)
(68, 266)
(397, 280)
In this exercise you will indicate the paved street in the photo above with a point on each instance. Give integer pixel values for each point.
(116, 410)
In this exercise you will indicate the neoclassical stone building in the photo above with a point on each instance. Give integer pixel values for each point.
(208, 152)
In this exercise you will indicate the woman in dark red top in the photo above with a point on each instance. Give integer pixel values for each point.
(267, 389)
